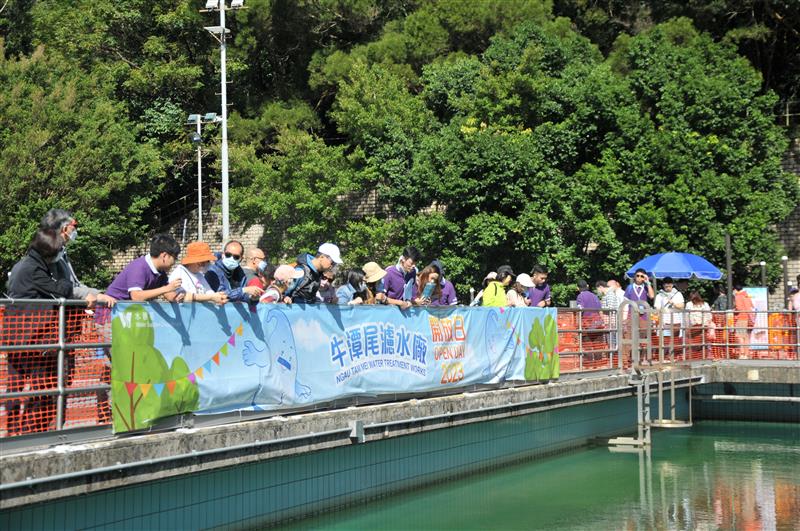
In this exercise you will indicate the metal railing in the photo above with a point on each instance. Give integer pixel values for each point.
(55, 367)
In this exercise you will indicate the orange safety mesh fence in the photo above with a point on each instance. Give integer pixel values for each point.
(586, 339)
(34, 369)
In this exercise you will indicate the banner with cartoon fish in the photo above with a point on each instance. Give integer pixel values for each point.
(177, 358)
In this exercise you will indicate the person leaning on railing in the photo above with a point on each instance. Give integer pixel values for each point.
(32, 277)
(191, 272)
(64, 223)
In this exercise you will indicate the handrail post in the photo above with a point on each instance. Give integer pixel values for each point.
(580, 338)
(62, 341)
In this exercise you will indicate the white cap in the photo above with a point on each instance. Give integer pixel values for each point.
(331, 250)
(525, 280)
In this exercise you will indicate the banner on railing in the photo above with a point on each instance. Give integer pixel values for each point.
(176, 358)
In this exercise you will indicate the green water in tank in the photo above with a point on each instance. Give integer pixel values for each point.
(715, 475)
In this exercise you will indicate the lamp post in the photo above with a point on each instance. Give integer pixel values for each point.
(763, 265)
(196, 139)
(220, 33)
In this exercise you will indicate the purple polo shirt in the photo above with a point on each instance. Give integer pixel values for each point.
(447, 297)
(394, 282)
(538, 294)
(140, 274)
(588, 301)
(633, 294)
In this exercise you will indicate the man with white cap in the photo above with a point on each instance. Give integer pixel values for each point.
(304, 289)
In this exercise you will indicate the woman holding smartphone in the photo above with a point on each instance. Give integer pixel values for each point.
(427, 289)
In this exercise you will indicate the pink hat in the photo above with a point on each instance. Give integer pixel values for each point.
(286, 273)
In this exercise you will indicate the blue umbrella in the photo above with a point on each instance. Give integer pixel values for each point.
(677, 265)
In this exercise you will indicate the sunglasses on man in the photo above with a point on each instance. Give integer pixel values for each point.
(234, 256)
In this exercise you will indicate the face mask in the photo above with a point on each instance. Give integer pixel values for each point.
(379, 287)
(230, 263)
(262, 265)
(362, 287)
(73, 235)
(203, 270)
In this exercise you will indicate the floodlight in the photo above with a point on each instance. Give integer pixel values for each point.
(212, 4)
(193, 118)
(210, 117)
(195, 139)
(217, 30)
(236, 4)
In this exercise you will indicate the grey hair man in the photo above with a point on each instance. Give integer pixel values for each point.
(64, 223)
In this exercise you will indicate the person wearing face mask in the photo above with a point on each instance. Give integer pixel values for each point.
(63, 222)
(226, 275)
(191, 272)
(354, 291)
(304, 289)
(255, 260)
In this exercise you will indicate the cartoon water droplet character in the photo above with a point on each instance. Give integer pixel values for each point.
(279, 356)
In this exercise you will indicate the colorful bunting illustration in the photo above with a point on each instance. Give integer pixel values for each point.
(198, 373)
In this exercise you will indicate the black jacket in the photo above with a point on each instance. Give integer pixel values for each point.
(305, 288)
(31, 279)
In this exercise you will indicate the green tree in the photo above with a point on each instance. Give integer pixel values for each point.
(65, 143)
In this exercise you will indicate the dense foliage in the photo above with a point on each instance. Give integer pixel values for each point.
(490, 132)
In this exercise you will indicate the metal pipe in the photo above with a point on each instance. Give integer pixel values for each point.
(224, 145)
(53, 392)
(61, 359)
(199, 181)
(757, 398)
(51, 346)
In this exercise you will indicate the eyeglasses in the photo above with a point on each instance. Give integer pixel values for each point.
(641, 276)
(234, 256)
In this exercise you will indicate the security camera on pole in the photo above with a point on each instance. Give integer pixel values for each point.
(220, 33)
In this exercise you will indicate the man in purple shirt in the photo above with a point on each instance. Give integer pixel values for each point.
(539, 294)
(641, 290)
(400, 278)
(145, 278)
(586, 299)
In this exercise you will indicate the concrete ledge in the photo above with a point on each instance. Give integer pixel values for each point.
(68, 470)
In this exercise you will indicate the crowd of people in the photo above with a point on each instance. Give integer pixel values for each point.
(233, 275)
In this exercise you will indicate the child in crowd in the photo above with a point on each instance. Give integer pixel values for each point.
(516, 295)
(283, 276)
